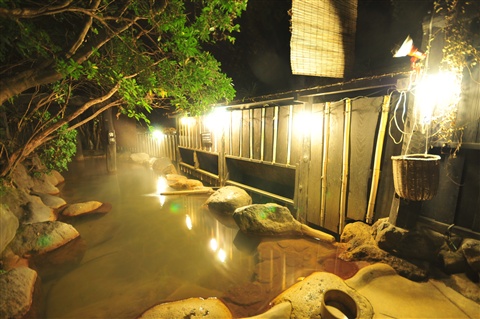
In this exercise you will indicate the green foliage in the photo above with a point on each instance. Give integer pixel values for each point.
(459, 50)
(58, 152)
(153, 51)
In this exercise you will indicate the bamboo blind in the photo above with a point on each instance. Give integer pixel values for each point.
(323, 37)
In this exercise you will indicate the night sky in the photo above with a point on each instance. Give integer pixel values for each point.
(259, 61)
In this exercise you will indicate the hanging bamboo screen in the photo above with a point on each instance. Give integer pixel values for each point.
(323, 37)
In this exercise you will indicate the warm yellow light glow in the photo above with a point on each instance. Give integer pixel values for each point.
(188, 221)
(436, 94)
(216, 119)
(303, 122)
(162, 184)
(157, 134)
(189, 121)
(222, 255)
(213, 244)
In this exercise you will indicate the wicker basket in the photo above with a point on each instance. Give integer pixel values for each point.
(415, 176)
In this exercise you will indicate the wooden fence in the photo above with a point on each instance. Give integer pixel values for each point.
(326, 154)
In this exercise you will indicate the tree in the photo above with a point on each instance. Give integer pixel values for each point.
(61, 58)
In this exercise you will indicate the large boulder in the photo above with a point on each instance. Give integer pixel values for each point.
(140, 158)
(274, 220)
(17, 290)
(266, 219)
(226, 199)
(164, 166)
(189, 308)
(8, 226)
(38, 238)
(176, 181)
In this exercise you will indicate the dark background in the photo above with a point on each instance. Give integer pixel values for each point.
(259, 61)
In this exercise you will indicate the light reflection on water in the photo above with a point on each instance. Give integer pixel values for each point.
(147, 250)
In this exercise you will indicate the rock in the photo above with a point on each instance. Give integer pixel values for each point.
(306, 296)
(471, 250)
(281, 311)
(140, 158)
(21, 178)
(57, 176)
(463, 284)
(39, 238)
(38, 212)
(51, 201)
(273, 219)
(194, 184)
(372, 253)
(42, 185)
(226, 199)
(189, 308)
(8, 226)
(176, 181)
(164, 166)
(266, 219)
(17, 290)
(387, 236)
(356, 234)
(81, 208)
(16, 200)
(452, 262)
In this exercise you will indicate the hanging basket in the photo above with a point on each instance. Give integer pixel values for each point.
(415, 176)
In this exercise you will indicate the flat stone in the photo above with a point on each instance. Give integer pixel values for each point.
(51, 201)
(38, 212)
(189, 308)
(42, 185)
(81, 208)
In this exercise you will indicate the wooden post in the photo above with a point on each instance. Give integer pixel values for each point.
(111, 142)
(345, 166)
(326, 138)
(378, 158)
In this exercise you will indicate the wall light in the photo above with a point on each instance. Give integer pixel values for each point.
(157, 134)
(216, 119)
(189, 121)
(436, 95)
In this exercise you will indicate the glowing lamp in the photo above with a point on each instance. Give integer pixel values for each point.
(436, 94)
(216, 119)
(157, 134)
